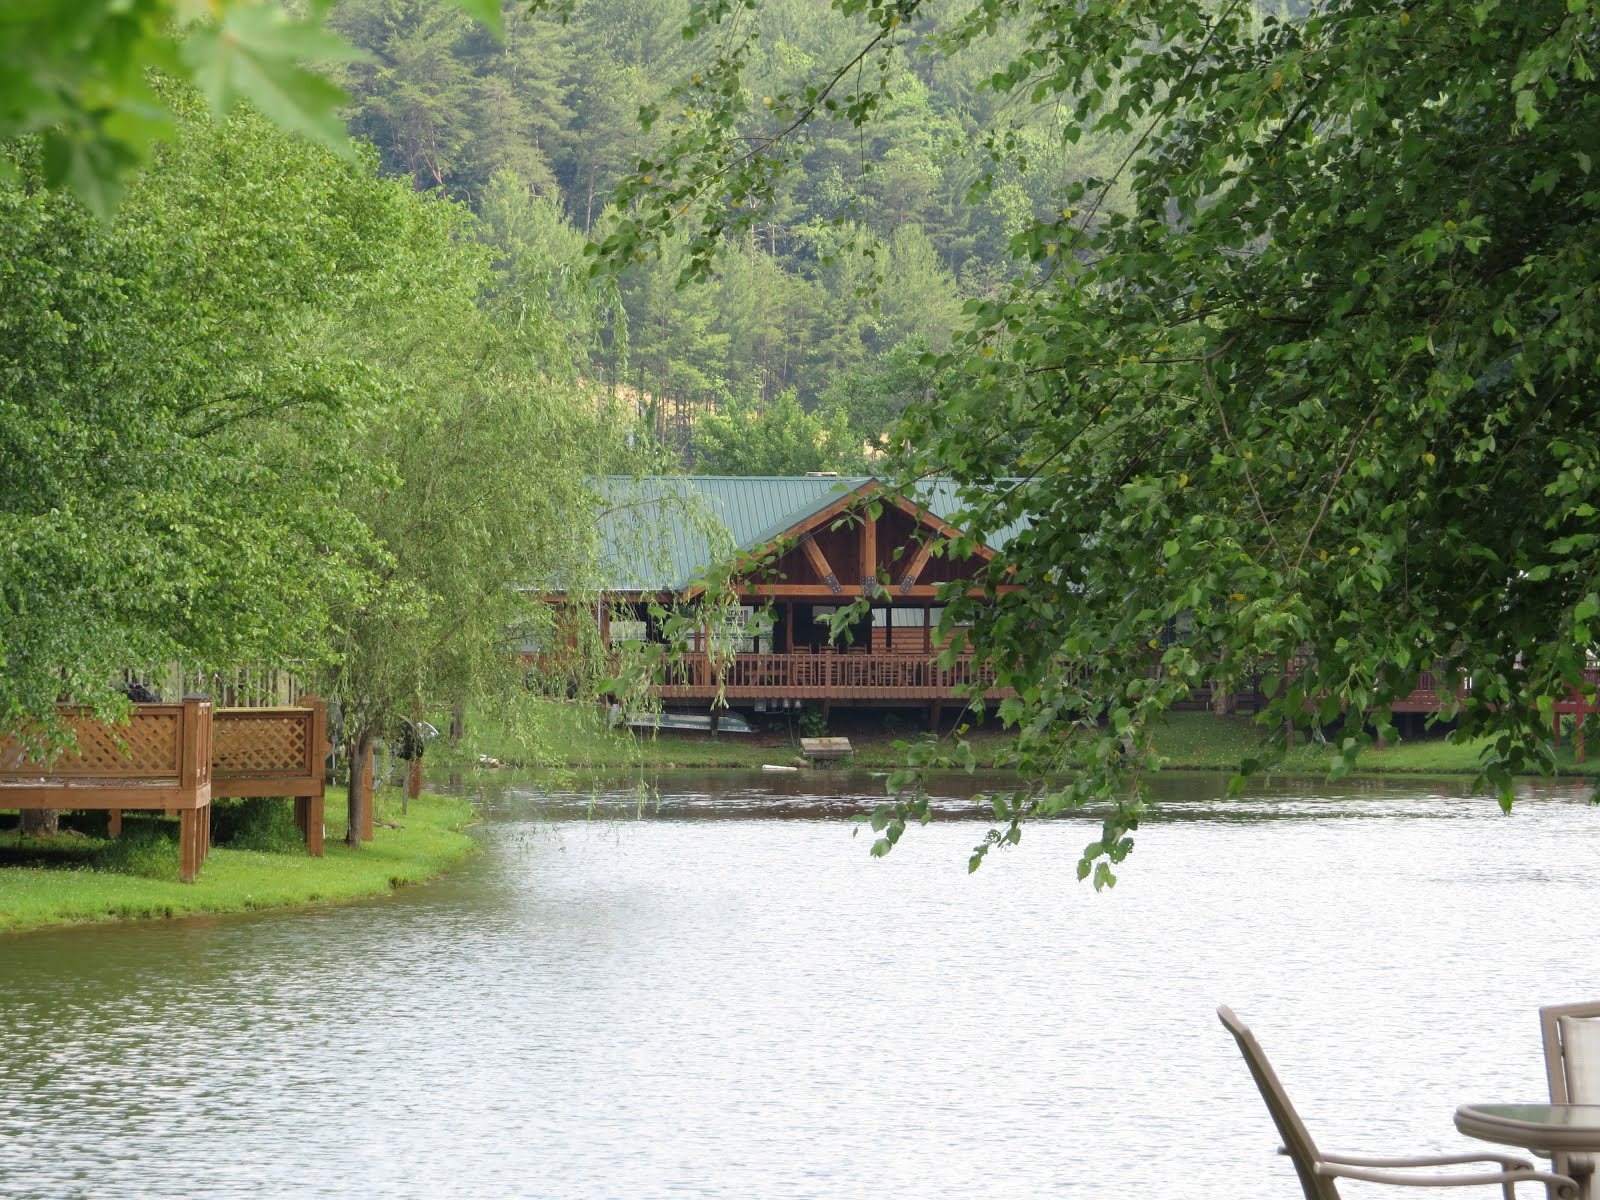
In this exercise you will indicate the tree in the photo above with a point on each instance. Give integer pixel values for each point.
(411, 101)
(478, 492)
(79, 75)
(171, 438)
(872, 399)
(555, 106)
(776, 438)
(282, 413)
(1314, 398)
(173, 433)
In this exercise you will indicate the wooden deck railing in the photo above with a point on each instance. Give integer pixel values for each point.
(909, 676)
(161, 759)
(177, 758)
(824, 675)
(275, 752)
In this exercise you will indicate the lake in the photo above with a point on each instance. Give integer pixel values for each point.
(710, 989)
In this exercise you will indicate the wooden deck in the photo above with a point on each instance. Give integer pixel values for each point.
(178, 758)
(826, 676)
(902, 677)
(275, 752)
(161, 760)
(1434, 693)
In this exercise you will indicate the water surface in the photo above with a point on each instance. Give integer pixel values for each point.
(718, 993)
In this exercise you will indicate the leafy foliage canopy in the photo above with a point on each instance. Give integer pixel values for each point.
(1304, 385)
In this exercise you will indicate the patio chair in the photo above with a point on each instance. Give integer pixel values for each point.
(1318, 1169)
(1572, 1061)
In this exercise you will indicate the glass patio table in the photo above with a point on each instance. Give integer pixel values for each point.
(1545, 1129)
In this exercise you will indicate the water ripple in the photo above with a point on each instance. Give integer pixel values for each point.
(720, 994)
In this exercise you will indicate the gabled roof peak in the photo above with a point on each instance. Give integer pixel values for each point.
(751, 510)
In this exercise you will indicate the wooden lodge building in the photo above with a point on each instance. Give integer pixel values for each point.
(815, 549)
(822, 550)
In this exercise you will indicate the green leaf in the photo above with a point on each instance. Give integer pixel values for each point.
(257, 53)
(487, 12)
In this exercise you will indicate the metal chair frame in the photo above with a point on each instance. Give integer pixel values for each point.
(1318, 1169)
(1555, 1066)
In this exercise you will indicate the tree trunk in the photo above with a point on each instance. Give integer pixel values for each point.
(1223, 702)
(413, 787)
(360, 795)
(458, 724)
(41, 822)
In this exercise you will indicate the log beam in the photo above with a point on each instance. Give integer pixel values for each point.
(819, 563)
(868, 560)
(914, 567)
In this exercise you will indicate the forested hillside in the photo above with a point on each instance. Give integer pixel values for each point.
(862, 265)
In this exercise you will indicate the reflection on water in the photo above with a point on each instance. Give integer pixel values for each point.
(1174, 796)
(709, 989)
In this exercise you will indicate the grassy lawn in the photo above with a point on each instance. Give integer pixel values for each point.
(575, 735)
(1198, 740)
(83, 877)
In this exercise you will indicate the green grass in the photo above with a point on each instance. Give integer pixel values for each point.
(575, 736)
(82, 877)
(1201, 741)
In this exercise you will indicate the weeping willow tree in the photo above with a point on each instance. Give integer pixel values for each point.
(478, 489)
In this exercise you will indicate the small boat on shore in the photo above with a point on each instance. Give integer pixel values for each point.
(727, 722)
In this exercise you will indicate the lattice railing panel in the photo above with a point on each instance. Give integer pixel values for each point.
(257, 743)
(147, 746)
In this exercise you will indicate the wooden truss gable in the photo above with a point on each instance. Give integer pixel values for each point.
(846, 551)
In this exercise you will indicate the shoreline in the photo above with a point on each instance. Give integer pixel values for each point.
(572, 737)
(52, 884)
(53, 888)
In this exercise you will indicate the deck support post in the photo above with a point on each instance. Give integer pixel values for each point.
(114, 823)
(191, 849)
(314, 827)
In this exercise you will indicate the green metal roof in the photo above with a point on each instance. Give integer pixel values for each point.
(659, 531)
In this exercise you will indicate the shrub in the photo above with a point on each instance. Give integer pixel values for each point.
(147, 846)
(812, 722)
(260, 823)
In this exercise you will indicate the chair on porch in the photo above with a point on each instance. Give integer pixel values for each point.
(1318, 1169)
(1571, 1035)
